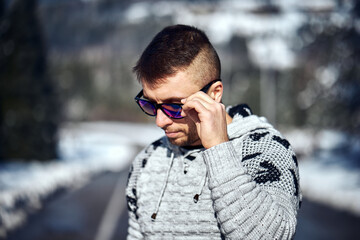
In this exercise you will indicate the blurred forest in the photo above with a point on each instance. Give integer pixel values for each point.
(71, 60)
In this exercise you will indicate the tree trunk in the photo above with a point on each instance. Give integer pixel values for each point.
(29, 106)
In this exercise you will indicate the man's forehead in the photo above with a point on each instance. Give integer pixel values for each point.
(170, 89)
(179, 79)
(164, 97)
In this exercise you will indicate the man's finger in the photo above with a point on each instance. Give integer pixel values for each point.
(198, 105)
(199, 95)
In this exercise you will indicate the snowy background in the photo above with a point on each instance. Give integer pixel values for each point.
(297, 46)
(86, 150)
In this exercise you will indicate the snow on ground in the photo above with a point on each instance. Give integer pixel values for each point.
(331, 184)
(85, 150)
(329, 165)
(328, 160)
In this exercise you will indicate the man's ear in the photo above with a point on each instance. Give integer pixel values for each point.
(216, 91)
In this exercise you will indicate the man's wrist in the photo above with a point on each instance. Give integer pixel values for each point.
(217, 142)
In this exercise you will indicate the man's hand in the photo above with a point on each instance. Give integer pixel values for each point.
(209, 117)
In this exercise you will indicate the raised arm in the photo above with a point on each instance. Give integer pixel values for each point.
(254, 186)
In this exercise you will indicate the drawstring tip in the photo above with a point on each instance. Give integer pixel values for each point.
(196, 198)
(153, 216)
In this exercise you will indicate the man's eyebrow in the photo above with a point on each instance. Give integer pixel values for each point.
(146, 97)
(168, 100)
(173, 100)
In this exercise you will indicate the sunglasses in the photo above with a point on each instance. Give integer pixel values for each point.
(172, 110)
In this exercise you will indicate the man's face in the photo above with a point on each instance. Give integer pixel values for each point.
(181, 132)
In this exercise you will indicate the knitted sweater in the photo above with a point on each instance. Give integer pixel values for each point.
(247, 188)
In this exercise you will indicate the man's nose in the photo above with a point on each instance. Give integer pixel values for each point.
(161, 119)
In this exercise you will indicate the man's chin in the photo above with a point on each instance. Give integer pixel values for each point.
(177, 142)
(183, 142)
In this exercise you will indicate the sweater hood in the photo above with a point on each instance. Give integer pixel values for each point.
(244, 121)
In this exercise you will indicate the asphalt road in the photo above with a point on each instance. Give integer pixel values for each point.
(98, 211)
(82, 214)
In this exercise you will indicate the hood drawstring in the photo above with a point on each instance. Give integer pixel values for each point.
(202, 185)
(185, 167)
(153, 216)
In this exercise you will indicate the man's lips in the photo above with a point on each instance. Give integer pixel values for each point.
(171, 134)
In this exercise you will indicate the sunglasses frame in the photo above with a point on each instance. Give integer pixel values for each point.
(159, 105)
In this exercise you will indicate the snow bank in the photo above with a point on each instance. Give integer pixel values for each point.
(85, 150)
(329, 167)
(331, 184)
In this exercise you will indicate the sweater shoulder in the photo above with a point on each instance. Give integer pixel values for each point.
(271, 161)
(141, 158)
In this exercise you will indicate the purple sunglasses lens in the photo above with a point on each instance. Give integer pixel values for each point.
(147, 107)
(172, 110)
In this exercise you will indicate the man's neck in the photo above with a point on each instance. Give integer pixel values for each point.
(228, 119)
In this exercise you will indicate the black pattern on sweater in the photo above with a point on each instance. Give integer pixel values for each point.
(144, 161)
(130, 172)
(282, 141)
(191, 158)
(295, 160)
(270, 174)
(258, 136)
(153, 146)
(296, 182)
(250, 156)
(242, 110)
(132, 203)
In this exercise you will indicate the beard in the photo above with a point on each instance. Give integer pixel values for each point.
(190, 138)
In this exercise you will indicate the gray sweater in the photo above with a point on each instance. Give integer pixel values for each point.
(247, 188)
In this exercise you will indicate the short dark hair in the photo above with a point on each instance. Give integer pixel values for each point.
(172, 49)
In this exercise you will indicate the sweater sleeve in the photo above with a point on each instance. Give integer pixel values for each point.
(254, 186)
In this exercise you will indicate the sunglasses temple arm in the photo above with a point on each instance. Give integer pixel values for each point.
(139, 94)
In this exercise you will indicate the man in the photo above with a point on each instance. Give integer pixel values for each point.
(217, 173)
